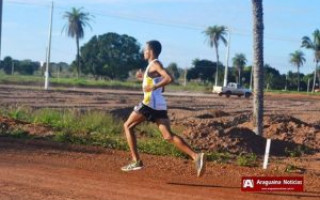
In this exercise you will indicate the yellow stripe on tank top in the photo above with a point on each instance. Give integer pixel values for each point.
(147, 96)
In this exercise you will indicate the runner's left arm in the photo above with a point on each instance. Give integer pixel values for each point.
(166, 78)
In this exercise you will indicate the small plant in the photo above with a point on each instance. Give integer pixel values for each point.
(249, 160)
(47, 116)
(62, 137)
(148, 130)
(18, 113)
(293, 153)
(297, 151)
(219, 157)
(159, 146)
(294, 169)
(290, 168)
(19, 133)
(95, 121)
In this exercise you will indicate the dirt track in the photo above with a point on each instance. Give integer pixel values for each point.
(33, 171)
(44, 170)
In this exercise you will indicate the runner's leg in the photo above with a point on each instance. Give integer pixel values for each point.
(134, 119)
(164, 127)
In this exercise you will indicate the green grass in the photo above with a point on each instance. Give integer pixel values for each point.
(295, 169)
(158, 146)
(191, 86)
(96, 128)
(87, 82)
(115, 84)
(16, 133)
(291, 92)
(78, 122)
(219, 157)
(82, 82)
(248, 160)
(99, 128)
(95, 139)
(21, 134)
(19, 79)
(297, 151)
(19, 113)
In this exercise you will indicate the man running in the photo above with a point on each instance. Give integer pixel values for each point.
(154, 108)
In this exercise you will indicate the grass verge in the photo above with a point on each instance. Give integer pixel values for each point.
(100, 128)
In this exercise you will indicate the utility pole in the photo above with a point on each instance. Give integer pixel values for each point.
(286, 87)
(46, 84)
(251, 77)
(1, 3)
(225, 80)
(185, 77)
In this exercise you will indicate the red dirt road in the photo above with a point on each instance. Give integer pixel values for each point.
(38, 170)
(34, 170)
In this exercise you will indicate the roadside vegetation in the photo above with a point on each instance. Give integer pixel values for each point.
(96, 128)
(99, 128)
(38, 81)
(92, 83)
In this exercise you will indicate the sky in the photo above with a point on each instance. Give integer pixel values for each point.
(177, 24)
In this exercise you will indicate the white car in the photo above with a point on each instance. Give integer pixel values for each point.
(232, 89)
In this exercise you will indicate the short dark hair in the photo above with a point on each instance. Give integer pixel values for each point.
(155, 46)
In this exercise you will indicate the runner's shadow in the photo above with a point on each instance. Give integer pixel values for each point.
(198, 185)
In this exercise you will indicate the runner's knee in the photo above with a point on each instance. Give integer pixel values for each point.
(127, 125)
(168, 138)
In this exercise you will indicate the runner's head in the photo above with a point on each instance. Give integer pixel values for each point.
(152, 49)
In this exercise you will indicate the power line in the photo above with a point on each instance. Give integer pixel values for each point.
(161, 23)
(141, 19)
(27, 3)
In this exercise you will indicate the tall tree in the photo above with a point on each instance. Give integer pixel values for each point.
(203, 70)
(77, 21)
(215, 34)
(258, 28)
(315, 46)
(111, 55)
(239, 62)
(297, 59)
(174, 70)
(272, 78)
(7, 65)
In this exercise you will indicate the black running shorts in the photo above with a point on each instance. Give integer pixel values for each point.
(149, 113)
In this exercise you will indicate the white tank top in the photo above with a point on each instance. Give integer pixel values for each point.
(153, 99)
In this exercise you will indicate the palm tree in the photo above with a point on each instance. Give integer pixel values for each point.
(315, 46)
(77, 21)
(239, 61)
(297, 59)
(258, 28)
(216, 34)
